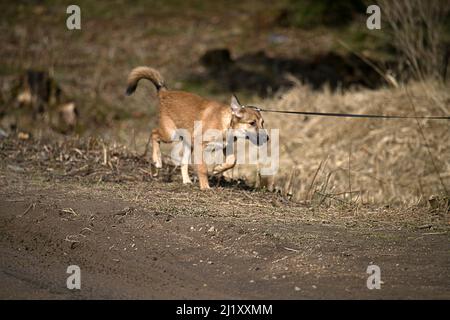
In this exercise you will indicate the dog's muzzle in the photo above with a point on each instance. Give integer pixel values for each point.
(263, 137)
(259, 138)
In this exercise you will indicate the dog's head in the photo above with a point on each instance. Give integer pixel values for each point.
(248, 123)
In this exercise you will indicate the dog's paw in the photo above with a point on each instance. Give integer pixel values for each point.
(158, 164)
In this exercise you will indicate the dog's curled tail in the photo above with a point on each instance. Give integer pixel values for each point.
(148, 73)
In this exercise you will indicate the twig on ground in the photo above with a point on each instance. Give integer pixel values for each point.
(31, 206)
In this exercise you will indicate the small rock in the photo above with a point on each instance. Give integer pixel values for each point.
(297, 289)
(212, 229)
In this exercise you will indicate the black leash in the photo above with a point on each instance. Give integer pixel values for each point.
(351, 115)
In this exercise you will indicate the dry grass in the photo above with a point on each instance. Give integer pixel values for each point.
(81, 168)
(337, 161)
(362, 160)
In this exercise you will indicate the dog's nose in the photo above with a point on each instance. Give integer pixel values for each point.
(262, 139)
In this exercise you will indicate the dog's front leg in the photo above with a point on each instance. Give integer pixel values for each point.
(185, 174)
(230, 162)
(202, 168)
(202, 172)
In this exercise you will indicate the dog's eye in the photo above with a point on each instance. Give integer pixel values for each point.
(253, 123)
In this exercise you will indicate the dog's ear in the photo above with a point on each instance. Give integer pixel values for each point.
(236, 107)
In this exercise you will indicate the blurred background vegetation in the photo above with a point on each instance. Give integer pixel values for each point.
(209, 47)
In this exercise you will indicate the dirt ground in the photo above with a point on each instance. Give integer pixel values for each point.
(136, 236)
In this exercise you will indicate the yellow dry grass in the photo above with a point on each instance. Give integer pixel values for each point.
(363, 160)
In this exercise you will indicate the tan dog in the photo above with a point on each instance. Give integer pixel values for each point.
(179, 110)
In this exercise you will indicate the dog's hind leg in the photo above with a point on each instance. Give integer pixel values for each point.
(185, 163)
(156, 154)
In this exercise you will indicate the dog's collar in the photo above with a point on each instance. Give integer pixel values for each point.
(253, 107)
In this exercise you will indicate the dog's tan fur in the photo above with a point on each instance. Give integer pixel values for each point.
(179, 110)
